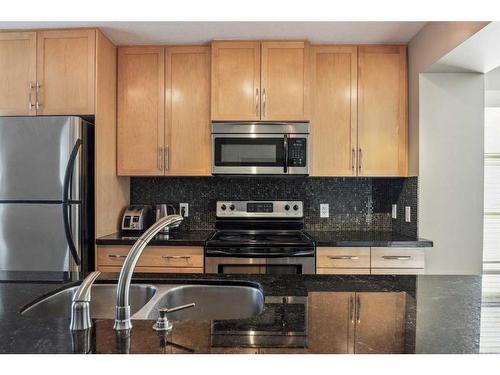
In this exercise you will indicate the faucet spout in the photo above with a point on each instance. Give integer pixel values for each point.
(122, 320)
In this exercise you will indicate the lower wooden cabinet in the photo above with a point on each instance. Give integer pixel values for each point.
(366, 260)
(348, 322)
(163, 259)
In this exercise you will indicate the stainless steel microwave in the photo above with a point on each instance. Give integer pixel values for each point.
(268, 148)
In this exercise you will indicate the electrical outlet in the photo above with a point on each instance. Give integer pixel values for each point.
(184, 209)
(324, 210)
(394, 211)
(408, 214)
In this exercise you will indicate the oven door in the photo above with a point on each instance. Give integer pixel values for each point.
(268, 266)
(249, 154)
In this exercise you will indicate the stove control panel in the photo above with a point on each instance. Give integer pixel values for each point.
(260, 209)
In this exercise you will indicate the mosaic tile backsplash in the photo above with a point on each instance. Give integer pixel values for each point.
(356, 204)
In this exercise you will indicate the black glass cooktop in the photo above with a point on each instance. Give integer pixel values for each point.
(260, 237)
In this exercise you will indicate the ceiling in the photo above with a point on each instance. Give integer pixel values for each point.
(122, 33)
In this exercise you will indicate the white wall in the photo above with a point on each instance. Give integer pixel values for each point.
(451, 171)
(431, 43)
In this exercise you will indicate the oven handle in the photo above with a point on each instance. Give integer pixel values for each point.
(301, 253)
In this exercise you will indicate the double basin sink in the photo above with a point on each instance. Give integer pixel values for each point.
(213, 301)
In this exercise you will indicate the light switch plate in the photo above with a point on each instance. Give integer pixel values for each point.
(184, 209)
(408, 214)
(324, 210)
(394, 211)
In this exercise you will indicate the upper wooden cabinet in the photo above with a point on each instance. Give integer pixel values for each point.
(382, 111)
(17, 73)
(254, 81)
(141, 110)
(49, 72)
(236, 81)
(164, 111)
(334, 71)
(66, 71)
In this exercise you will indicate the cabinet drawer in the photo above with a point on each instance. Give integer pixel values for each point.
(153, 256)
(117, 269)
(343, 257)
(393, 257)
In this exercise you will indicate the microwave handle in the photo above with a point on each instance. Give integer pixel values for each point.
(285, 169)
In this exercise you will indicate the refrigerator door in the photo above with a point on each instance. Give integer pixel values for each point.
(37, 154)
(33, 237)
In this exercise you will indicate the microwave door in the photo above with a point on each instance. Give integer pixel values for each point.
(248, 154)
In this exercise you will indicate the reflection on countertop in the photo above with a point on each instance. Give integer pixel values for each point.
(341, 314)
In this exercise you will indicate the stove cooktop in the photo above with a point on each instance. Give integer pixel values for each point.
(260, 238)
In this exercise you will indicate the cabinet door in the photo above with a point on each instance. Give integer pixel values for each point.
(380, 322)
(187, 125)
(331, 322)
(236, 80)
(334, 71)
(382, 111)
(141, 106)
(66, 72)
(17, 73)
(285, 81)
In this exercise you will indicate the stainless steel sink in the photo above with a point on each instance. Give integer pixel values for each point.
(213, 302)
(58, 305)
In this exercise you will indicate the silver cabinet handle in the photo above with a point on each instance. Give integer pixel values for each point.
(264, 102)
(345, 257)
(257, 102)
(166, 158)
(37, 103)
(360, 161)
(176, 257)
(116, 256)
(351, 309)
(358, 308)
(353, 162)
(30, 102)
(397, 257)
(160, 158)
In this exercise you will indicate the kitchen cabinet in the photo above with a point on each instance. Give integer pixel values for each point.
(187, 124)
(254, 81)
(48, 72)
(66, 71)
(163, 259)
(17, 73)
(392, 260)
(382, 111)
(349, 322)
(141, 110)
(343, 260)
(334, 110)
(163, 111)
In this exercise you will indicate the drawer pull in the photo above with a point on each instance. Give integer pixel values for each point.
(116, 256)
(344, 257)
(397, 257)
(176, 257)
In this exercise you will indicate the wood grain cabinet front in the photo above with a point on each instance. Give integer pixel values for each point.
(392, 260)
(165, 259)
(343, 260)
(48, 72)
(254, 80)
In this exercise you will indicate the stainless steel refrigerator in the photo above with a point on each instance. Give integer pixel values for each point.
(46, 193)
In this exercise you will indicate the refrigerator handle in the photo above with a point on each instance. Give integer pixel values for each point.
(67, 203)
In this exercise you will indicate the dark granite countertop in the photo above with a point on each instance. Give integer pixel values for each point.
(366, 239)
(423, 314)
(174, 238)
(322, 238)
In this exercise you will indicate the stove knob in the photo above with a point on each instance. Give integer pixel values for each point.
(287, 207)
(295, 207)
(223, 207)
(231, 207)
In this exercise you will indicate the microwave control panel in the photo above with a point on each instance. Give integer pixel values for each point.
(297, 152)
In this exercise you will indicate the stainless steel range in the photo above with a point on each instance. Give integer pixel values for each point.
(262, 237)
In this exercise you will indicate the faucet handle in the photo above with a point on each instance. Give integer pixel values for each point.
(163, 324)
